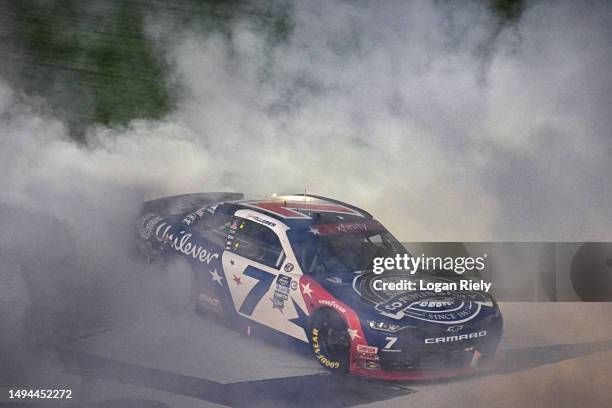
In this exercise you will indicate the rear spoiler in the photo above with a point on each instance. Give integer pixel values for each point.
(178, 204)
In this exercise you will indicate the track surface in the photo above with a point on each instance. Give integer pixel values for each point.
(552, 354)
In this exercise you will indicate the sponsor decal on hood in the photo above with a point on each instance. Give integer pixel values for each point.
(445, 307)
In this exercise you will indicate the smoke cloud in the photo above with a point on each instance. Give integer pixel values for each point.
(443, 125)
(440, 122)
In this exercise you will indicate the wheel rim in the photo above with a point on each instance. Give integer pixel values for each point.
(334, 340)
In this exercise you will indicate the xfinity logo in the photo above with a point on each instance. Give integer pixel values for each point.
(460, 337)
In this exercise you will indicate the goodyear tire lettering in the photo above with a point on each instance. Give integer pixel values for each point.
(317, 350)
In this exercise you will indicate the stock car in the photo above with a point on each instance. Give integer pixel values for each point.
(301, 266)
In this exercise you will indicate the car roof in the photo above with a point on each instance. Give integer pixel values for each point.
(305, 208)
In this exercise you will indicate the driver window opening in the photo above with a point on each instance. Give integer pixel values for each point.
(213, 226)
(258, 243)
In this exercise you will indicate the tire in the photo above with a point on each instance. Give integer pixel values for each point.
(329, 340)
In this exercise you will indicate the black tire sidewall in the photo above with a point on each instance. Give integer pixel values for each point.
(336, 364)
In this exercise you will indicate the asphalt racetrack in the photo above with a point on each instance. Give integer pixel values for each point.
(552, 355)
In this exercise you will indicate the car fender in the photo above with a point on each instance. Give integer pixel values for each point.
(316, 297)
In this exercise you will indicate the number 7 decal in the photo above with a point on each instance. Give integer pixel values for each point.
(258, 291)
(390, 342)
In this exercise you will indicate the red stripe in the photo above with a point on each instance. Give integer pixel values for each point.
(288, 209)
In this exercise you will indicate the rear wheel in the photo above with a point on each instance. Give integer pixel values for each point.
(329, 339)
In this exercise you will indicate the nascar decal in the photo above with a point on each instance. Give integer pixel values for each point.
(295, 209)
(437, 307)
(281, 292)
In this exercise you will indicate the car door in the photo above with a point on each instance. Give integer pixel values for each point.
(261, 273)
(209, 231)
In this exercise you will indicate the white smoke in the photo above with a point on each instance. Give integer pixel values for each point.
(425, 113)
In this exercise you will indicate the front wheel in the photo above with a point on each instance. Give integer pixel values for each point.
(329, 339)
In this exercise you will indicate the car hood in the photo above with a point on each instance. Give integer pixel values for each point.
(409, 307)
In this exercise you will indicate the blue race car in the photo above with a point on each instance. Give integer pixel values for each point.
(301, 265)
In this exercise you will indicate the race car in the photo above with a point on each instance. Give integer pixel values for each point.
(301, 266)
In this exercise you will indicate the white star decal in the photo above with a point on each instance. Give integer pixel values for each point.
(306, 289)
(216, 277)
(353, 333)
(314, 231)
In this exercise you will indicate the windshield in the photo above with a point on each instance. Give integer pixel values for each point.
(319, 251)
